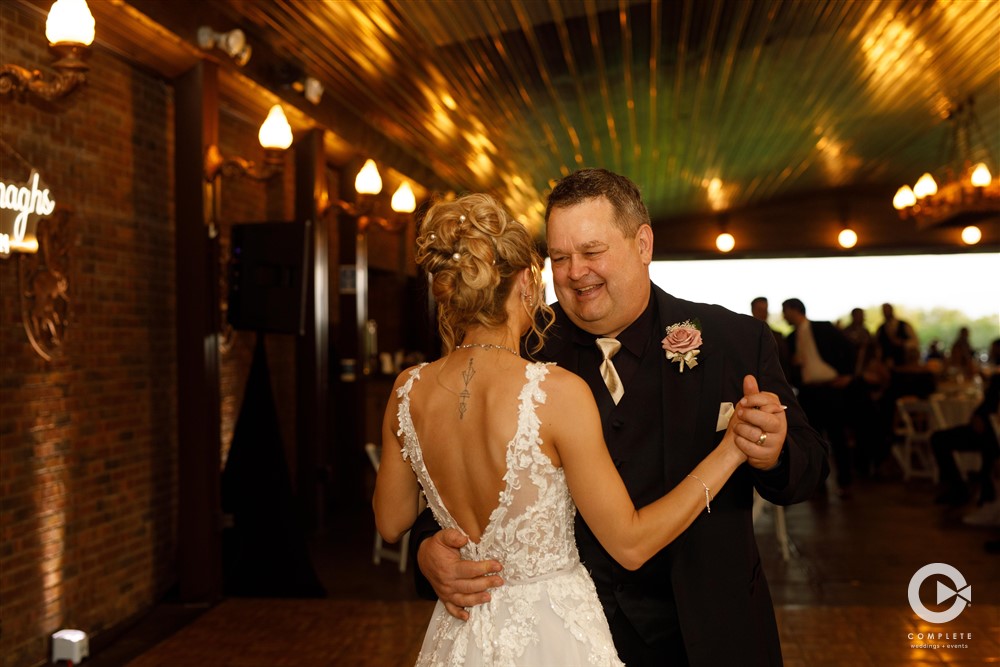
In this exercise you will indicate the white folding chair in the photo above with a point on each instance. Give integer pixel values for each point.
(780, 526)
(949, 413)
(916, 422)
(380, 550)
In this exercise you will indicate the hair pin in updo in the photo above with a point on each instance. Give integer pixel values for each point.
(461, 218)
(456, 256)
(433, 236)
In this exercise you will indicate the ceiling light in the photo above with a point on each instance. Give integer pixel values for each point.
(725, 242)
(847, 238)
(972, 235)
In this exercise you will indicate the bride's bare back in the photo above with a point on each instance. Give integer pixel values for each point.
(464, 411)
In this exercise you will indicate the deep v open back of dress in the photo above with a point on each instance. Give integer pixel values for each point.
(464, 418)
(531, 486)
(547, 612)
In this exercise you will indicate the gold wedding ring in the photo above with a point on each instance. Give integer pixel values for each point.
(762, 438)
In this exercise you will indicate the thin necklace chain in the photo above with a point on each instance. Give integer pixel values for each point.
(487, 346)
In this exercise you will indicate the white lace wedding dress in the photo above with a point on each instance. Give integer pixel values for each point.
(547, 613)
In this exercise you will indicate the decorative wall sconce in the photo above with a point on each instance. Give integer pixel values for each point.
(70, 30)
(275, 136)
(367, 184)
(232, 43)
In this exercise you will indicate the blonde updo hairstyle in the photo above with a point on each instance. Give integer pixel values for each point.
(474, 250)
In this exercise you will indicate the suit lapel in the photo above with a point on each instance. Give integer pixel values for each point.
(690, 399)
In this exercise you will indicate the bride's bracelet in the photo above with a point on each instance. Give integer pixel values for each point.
(708, 494)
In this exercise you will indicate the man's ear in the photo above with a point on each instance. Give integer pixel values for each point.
(644, 237)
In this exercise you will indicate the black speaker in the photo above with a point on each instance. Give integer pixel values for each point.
(267, 276)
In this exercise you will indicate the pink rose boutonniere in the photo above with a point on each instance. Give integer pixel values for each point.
(682, 344)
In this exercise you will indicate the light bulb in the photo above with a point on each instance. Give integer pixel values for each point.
(368, 181)
(403, 200)
(925, 186)
(725, 242)
(904, 198)
(972, 235)
(275, 132)
(981, 176)
(70, 21)
(847, 238)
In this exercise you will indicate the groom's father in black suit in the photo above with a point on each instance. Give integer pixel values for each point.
(703, 600)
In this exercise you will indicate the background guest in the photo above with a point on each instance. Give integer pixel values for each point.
(896, 338)
(863, 396)
(823, 363)
(759, 309)
(961, 357)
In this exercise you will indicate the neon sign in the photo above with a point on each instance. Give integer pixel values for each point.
(21, 205)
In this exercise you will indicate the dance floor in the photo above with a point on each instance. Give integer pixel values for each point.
(841, 599)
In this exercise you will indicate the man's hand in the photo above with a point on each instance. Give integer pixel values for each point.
(458, 583)
(762, 435)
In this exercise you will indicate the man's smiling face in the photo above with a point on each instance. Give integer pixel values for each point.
(601, 276)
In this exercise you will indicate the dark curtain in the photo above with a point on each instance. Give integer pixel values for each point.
(264, 548)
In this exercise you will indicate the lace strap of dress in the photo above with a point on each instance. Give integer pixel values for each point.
(531, 395)
(411, 451)
(410, 447)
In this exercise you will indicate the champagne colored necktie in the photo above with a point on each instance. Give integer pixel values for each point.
(609, 348)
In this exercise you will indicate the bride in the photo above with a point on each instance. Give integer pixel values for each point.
(506, 451)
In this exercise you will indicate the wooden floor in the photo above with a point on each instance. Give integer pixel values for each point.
(840, 600)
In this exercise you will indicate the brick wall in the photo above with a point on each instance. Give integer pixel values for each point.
(88, 451)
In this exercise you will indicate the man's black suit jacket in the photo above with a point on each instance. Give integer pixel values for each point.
(723, 604)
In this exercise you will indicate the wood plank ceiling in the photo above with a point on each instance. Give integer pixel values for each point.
(712, 106)
(708, 105)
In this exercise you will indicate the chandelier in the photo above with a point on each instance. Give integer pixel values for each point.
(968, 192)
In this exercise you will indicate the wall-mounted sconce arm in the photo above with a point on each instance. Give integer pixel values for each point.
(218, 165)
(71, 73)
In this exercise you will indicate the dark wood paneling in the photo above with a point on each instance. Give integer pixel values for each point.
(198, 401)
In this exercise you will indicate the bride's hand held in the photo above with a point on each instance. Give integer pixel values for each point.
(763, 426)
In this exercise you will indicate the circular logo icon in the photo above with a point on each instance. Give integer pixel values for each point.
(961, 591)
